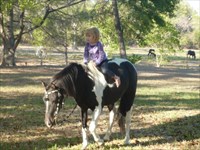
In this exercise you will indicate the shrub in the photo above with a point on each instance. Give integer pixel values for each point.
(134, 58)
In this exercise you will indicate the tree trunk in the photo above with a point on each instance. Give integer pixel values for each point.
(66, 56)
(10, 42)
(8, 57)
(119, 29)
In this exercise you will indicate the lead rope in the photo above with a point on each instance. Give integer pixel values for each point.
(65, 119)
(71, 111)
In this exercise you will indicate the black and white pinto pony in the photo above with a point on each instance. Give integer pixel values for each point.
(92, 90)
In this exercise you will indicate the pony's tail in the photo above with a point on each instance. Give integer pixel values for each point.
(121, 122)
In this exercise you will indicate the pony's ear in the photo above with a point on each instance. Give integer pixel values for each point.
(44, 84)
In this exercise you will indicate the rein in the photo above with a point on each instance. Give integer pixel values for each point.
(65, 119)
(71, 112)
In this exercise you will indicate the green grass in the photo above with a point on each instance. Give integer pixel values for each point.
(166, 112)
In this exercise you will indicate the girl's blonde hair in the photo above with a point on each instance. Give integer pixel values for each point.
(94, 32)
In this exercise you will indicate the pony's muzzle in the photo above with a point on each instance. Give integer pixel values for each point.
(49, 122)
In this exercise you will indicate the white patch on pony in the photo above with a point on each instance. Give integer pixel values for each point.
(93, 124)
(47, 106)
(111, 120)
(118, 61)
(99, 79)
(99, 86)
(85, 139)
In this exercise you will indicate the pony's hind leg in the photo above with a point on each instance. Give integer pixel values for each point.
(127, 128)
(124, 121)
(112, 113)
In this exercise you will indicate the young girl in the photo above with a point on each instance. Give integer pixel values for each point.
(94, 51)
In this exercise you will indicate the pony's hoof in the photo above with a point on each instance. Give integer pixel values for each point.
(126, 142)
(106, 138)
(100, 142)
(84, 146)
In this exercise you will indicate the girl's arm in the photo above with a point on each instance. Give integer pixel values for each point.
(102, 54)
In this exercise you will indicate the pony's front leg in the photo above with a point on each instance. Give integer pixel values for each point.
(112, 113)
(84, 116)
(93, 125)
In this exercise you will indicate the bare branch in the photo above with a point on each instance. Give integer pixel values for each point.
(53, 37)
(71, 3)
(19, 36)
(50, 10)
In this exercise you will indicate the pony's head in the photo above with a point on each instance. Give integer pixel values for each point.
(53, 99)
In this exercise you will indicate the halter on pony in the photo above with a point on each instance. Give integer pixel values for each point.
(59, 103)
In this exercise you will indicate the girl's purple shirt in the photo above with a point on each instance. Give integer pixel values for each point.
(95, 53)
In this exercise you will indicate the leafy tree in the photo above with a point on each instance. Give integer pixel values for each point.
(18, 17)
(180, 31)
(187, 23)
(137, 19)
(165, 39)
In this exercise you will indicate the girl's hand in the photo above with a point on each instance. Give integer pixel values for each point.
(94, 63)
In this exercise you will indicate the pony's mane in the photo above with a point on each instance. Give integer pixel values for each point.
(70, 69)
(66, 77)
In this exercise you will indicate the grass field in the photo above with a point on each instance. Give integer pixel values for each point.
(166, 112)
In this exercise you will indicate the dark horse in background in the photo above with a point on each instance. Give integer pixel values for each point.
(91, 90)
(191, 53)
(152, 53)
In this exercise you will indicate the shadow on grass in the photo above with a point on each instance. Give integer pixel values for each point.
(181, 129)
(175, 100)
(24, 113)
(41, 143)
(25, 76)
(165, 73)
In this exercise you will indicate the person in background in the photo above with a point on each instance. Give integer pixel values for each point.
(94, 52)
